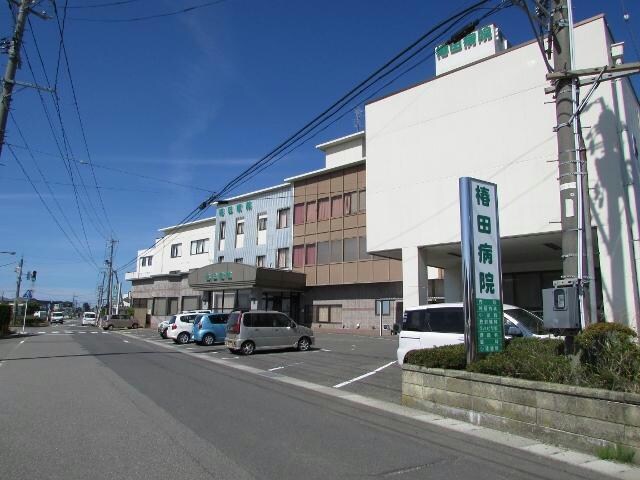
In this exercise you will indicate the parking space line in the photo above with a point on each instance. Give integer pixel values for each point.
(373, 372)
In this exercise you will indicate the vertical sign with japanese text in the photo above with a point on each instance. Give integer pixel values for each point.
(481, 266)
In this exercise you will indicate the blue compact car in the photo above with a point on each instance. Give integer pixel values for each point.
(210, 328)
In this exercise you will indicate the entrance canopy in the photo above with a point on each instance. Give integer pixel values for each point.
(233, 276)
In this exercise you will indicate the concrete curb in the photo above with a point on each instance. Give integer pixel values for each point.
(582, 460)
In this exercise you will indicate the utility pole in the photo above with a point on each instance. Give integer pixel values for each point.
(18, 283)
(110, 280)
(13, 63)
(577, 244)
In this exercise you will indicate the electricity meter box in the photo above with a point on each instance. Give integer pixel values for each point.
(560, 308)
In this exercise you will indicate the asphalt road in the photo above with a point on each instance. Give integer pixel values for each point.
(106, 405)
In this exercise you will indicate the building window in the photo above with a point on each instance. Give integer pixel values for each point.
(282, 260)
(324, 209)
(298, 214)
(336, 251)
(351, 249)
(176, 250)
(260, 260)
(312, 212)
(298, 256)
(262, 229)
(159, 306)
(221, 259)
(386, 307)
(363, 249)
(350, 203)
(336, 206)
(322, 253)
(199, 246)
(223, 234)
(146, 261)
(283, 218)
(310, 255)
(237, 260)
(239, 233)
(363, 201)
(327, 313)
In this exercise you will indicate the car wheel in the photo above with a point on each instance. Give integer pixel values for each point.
(234, 351)
(135, 325)
(208, 340)
(110, 327)
(304, 344)
(183, 338)
(164, 334)
(248, 348)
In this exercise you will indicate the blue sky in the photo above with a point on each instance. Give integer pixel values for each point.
(191, 99)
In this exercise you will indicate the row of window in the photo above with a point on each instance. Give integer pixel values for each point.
(336, 206)
(197, 247)
(334, 251)
(261, 238)
(282, 259)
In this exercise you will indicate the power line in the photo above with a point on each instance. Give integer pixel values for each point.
(64, 232)
(269, 159)
(120, 170)
(103, 5)
(42, 176)
(64, 184)
(339, 104)
(149, 17)
(77, 108)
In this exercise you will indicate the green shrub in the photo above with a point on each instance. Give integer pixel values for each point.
(530, 359)
(447, 356)
(610, 357)
(619, 453)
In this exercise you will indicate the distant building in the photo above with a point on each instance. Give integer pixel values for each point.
(159, 286)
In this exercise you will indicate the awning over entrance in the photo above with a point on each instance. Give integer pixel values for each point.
(232, 276)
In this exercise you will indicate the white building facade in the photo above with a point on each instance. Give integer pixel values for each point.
(492, 120)
(160, 284)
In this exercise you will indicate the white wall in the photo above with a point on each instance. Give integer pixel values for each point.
(162, 262)
(490, 121)
(344, 153)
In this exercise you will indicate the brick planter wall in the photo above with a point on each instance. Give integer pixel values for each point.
(578, 418)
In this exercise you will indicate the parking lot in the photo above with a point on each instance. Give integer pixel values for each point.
(356, 363)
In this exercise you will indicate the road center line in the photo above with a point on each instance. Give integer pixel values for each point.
(373, 372)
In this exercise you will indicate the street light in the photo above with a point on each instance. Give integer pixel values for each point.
(9, 253)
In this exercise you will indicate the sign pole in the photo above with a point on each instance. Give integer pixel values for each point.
(481, 267)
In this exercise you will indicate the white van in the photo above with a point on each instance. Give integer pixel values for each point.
(88, 318)
(440, 324)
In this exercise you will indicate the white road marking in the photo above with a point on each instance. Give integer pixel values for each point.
(189, 348)
(228, 358)
(42, 332)
(277, 368)
(53, 333)
(373, 372)
(95, 332)
(21, 342)
(125, 341)
(325, 350)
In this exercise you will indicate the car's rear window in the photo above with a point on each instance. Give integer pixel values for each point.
(172, 319)
(233, 320)
(90, 315)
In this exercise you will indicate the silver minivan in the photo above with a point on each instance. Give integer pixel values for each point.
(263, 330)
(119, 321)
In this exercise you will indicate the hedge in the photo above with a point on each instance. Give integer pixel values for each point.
(608, 357)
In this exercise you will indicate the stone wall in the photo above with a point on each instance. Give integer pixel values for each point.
(574, 417)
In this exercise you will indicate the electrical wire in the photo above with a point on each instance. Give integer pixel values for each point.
(116, 189)
(35, 189)
(119, 170)
(103, 5)
(451, 21)
(77, 109)
(149, 17)
(233, 184)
